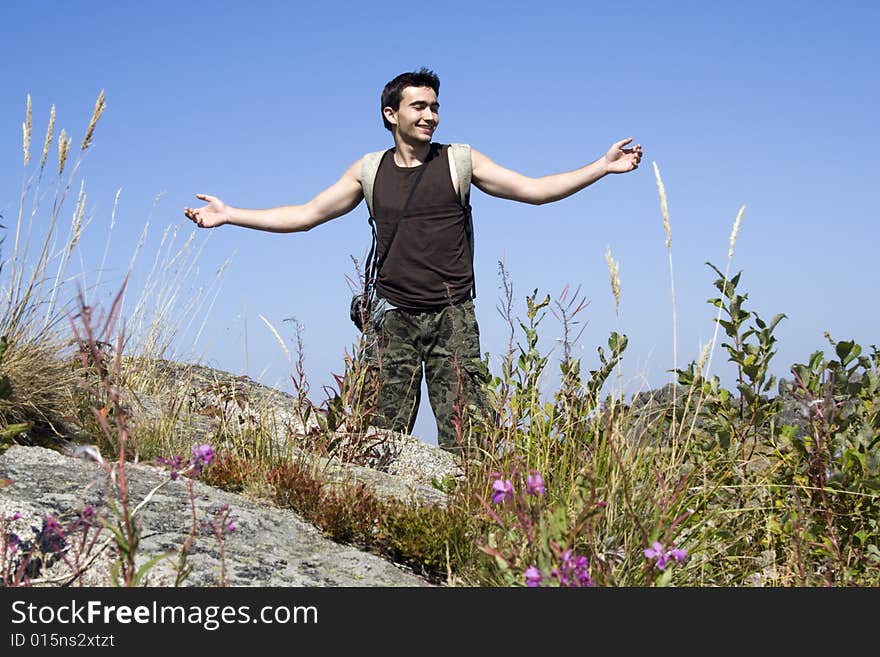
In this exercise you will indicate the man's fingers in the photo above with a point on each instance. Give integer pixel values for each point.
(623, 142)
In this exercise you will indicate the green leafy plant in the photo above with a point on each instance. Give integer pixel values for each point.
(829, 477)
(729, 420)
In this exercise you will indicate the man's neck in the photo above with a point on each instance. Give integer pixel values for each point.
(410, 155)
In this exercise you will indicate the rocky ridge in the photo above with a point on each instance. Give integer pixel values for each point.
(268, 547)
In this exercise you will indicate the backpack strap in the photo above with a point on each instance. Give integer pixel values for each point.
(369, 168)
(461, 155)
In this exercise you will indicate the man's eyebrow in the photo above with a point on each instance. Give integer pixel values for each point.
(422, 102)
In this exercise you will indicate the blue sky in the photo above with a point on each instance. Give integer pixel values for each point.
(770, 105)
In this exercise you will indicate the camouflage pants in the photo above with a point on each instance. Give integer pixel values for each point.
(446, 342)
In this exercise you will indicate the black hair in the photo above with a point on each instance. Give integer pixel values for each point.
(393, 91)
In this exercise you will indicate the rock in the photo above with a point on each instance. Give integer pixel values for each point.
(268, 547)
(395, 464)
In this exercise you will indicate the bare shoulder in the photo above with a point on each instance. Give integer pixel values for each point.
(354, 171)
(478, 156)
(481, 164)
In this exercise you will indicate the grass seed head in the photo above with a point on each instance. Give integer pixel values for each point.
(663, 206)
(614, 271)
(735, 231)
(63, 149)
(49, 132)
(100, 105)
(26, 131)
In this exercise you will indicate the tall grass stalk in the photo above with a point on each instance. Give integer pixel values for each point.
(733, 235)
(37, 284)
(24, 300)
(162, 319)
(667, 228)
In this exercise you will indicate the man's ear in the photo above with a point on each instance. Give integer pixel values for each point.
(390, 115)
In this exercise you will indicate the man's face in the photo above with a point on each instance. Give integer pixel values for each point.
(418, 115)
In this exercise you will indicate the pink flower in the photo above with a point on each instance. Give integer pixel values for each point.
(663, 556)
(573, 571)
(535, 484)
(533, 577)
(203, 454)
(503, 491)
(654, 551)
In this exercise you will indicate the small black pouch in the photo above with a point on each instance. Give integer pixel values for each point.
(358, 310)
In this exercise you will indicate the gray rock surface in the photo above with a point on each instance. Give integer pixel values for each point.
(397, 465)
(268, 547)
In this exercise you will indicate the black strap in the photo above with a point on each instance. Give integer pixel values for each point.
(469, 232)
(374, 265)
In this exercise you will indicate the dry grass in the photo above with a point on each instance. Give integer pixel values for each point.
(614, 271)
(43, 384)
(63, 149)
(50, 134)
(100, 106)
(46, 387)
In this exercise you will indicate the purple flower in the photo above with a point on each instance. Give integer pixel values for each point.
(51, 525)
(16, 516)
(533, 577)
(573, 571)
(175, 463)
(654, 551)
(663, 556)
(535, 484)
(503, 491)
(52, 536)
(230, 527)
(203, 453)
(84, 519)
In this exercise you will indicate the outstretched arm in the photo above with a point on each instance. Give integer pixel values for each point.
(338, 199)
(504, 183)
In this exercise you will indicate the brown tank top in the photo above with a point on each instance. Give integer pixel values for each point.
(429, 263)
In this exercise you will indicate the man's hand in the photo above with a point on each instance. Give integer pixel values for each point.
(211, 215)
(622, 160)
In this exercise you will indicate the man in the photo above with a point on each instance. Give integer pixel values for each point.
(425, 282)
